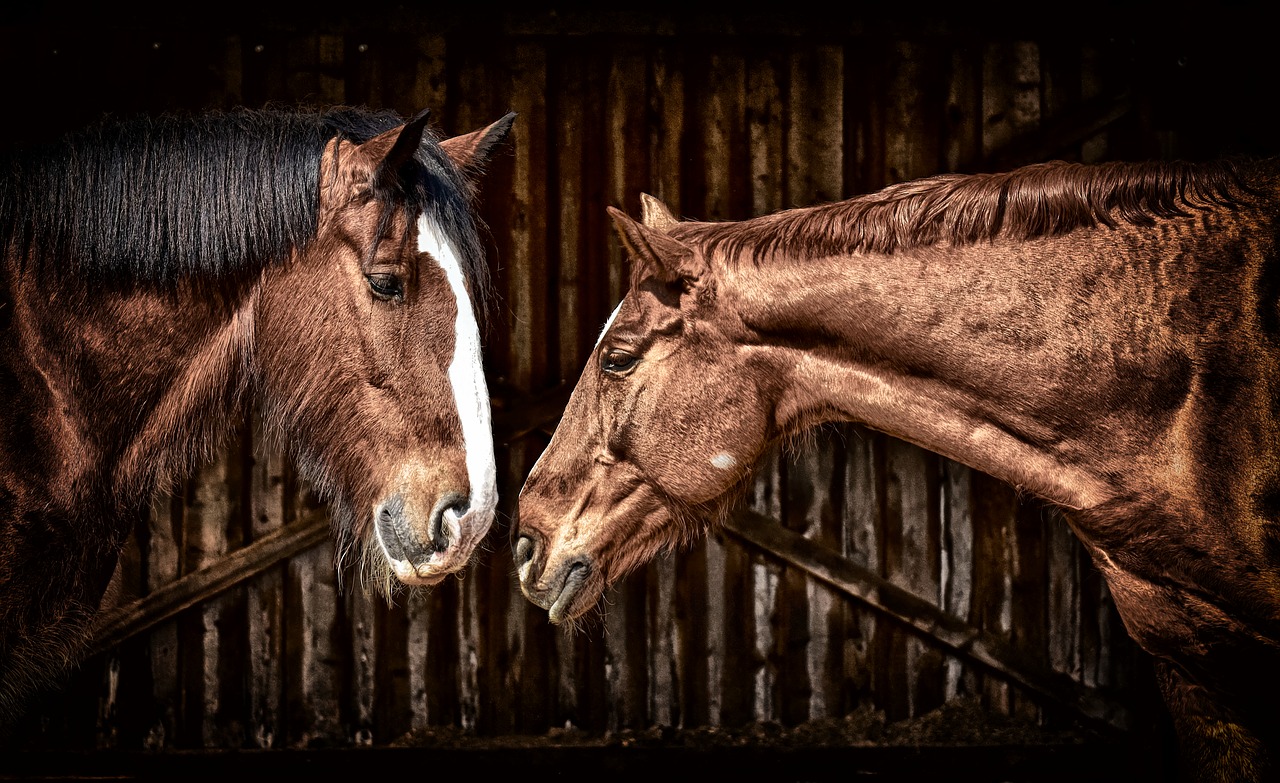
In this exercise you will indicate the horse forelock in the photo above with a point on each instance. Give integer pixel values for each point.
(438, 190)
(1033, 201)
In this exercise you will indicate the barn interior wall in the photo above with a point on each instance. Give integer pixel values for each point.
(723, 116)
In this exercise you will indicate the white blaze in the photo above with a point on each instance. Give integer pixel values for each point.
(609, 323)
(466, 376)
(598, 339)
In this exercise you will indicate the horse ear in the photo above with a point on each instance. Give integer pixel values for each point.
(668, 259)
(654, 213)
(471, 151)
(407, 140)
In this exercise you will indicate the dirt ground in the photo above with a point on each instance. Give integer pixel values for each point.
(964, 723)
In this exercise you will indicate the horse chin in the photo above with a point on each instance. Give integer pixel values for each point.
(575, 599)
(411, 577)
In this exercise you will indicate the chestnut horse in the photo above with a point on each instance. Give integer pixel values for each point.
(162, 273)
(1105, 337)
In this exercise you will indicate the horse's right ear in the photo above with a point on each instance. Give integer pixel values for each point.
(471, 151)
(654, 213)
(655, 253)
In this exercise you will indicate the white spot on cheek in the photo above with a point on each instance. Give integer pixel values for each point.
(724, 460)
(466, 376)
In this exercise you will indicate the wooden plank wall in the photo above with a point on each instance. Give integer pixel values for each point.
(723, 117)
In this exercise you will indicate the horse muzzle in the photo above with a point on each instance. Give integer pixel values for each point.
(564, 591)
(421, 549)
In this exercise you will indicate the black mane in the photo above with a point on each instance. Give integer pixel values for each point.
(207, 196)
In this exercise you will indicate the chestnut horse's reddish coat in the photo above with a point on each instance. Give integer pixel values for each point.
(1106, 337)
(159, 273)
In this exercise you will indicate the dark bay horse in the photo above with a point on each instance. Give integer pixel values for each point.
(1106, 337)
(159, 273)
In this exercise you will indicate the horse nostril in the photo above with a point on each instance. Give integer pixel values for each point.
(524, 550)
(444, 528)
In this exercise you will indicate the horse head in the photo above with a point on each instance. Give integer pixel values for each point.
(659, 434)
(368, 353)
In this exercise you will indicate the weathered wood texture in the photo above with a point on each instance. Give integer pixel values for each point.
(892, 578)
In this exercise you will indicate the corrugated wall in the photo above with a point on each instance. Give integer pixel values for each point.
(723, 117)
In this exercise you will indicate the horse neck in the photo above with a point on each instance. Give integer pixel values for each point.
(975, 353)
(141, 385)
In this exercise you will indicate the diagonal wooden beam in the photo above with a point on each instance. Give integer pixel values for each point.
(985, 649)
(514, 418)
(141, 615)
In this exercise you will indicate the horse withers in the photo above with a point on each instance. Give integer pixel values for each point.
(1106, 337)
(162, 272)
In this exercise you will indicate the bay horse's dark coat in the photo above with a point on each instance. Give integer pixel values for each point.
(158, 274)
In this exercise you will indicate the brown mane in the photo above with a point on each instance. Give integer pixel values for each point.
(1043, 199)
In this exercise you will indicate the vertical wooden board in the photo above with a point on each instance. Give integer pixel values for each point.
(665, 103)
(727, 178)
(426, 72)
(744, 682)
(813, 493)
(813, 173)
(957, 564)
(909, 559)
(422, 672)
(523, 245)
(861, 545)
(815, 135)
(1063, 611)
(667, 129)
(265, 596)
(766, 496)
(994, 506)
(910, 670)
(965, 117)
(522, 235)
(767, 71)
(362, 621)
(382, 69)
(1011, 94)
(909, 132)
(1060, 87)
(1029, 628)
(163, 541)
(314, 668)
(476, 76)
(211, 512)
(447, 665)
(393, 710)
(582, 695)
(866, 111)
(569, 79)
(573, 261)
(1094, 83)
(627, 175)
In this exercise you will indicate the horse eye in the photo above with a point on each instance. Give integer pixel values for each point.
(616, 361)
(385, 286)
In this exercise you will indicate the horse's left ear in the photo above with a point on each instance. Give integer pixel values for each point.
(402, 150)
(655, 214)
(471, 151)
(670, 260)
